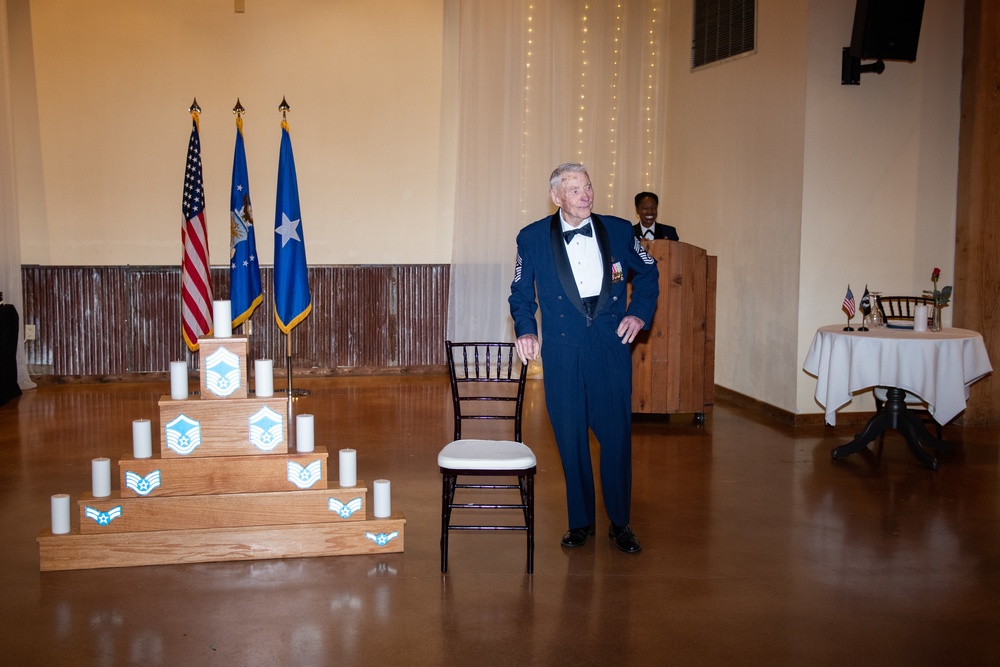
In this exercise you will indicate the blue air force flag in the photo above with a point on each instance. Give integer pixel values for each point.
(292, 301)
(244, 270)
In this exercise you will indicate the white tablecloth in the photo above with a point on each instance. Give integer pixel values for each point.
(938, 366)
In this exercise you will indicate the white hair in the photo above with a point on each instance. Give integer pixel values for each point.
(556, 179)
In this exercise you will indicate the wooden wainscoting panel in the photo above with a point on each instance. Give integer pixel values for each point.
(114, 321)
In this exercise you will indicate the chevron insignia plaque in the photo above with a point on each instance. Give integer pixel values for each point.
(305, 476)
(222, 372)
(345, 510)
(183, 435)
(103, 518)
(266, 431)
(142, 485)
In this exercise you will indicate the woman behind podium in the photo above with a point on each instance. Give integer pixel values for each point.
(646, 205)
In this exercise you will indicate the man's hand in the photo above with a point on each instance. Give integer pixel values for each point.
(628, 328)
(527, 347)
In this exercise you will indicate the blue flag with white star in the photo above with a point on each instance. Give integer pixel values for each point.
(292, 301)
(244, 271)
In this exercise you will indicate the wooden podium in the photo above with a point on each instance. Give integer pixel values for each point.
(673, 363)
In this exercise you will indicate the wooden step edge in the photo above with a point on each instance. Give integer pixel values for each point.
(76, 551)
(117, 514)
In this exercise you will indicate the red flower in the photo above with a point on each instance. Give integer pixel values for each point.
(936, 275)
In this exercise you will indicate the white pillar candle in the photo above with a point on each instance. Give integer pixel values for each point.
(142, 439)
(383, 503)
(60, 514)
(100, 477)
(263, 373)
(178, 380)
(348, 468)
(304, 433)
(920, 317)
(222, 319)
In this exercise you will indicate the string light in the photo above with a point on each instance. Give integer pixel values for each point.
(612, 138)
(650, 91)
(527, 92)
(583, 84)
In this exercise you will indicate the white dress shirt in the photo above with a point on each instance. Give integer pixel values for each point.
(585, 259)
(647, 232)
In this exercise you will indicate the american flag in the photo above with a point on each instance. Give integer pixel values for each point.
(849, 306)
(196, 286)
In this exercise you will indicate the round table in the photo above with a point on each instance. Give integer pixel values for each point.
(937, 366)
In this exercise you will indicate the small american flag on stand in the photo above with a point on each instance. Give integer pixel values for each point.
(849, 306)
(196, 285)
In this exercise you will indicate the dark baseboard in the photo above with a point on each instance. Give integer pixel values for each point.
(784, 416)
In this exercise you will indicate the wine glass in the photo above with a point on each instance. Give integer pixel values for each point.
(877, 319)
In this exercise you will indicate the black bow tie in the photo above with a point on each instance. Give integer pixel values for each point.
(586, 230)
(649, 233)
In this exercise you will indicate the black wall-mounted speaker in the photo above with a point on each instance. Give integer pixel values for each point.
(886, 29)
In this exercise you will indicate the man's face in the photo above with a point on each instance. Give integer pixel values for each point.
(575, 197)
(646, 211)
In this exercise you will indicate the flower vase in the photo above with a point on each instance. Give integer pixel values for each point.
(936, 317)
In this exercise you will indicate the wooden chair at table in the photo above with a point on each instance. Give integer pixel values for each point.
(898, 313)
(487, 383)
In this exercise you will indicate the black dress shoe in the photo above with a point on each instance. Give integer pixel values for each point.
(577, 537)
(625, 539)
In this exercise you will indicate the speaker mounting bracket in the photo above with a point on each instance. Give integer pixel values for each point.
(851, 68)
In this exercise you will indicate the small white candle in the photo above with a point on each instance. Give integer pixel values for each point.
(142, 439)
(100, 469)
(60, 514)
(263, 372)
(348, 467)
(222, 319)
(304, 433)
(920, 317)
(178, 380)
(383, 503)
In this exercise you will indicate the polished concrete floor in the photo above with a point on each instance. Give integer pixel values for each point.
(758, 550)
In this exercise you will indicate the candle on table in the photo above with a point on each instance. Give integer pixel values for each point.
(304, 433)
(142, 439)
(60, 514)
(348, 467)
(383, 503)
(100, 469)
(920, 317)
(222, 319)
(178, 380)
(263, 372)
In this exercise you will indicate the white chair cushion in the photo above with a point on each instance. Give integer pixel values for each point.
(486, 455)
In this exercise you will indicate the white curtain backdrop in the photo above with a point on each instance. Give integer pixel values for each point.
(10, 237)
(541, 83)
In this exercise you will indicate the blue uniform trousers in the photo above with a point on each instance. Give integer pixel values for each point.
(591, 386)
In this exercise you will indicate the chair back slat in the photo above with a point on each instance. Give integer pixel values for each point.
(478, 371)
(903, 308)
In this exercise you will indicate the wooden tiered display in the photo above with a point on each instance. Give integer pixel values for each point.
(224, 486)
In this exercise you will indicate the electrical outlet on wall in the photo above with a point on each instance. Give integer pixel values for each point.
(29, 332)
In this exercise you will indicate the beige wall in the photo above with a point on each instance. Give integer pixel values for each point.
(103, 113)
(880, 172)
(802, 185)
(734, 187)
